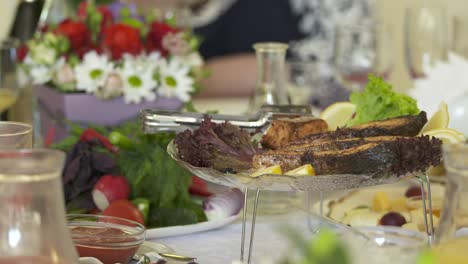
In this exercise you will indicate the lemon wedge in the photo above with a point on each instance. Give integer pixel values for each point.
(275, 169)
(338, 114)
(447, 135)
(440, 119)
(305, 170)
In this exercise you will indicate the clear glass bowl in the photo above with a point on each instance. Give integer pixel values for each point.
(384, 244)
(109, 239)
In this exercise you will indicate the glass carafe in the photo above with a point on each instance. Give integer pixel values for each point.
(271, 76)
(452, 233)
(33, 226)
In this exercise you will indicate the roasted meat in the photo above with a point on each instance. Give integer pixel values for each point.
(400, 126)
(286, 130)
(396, 155)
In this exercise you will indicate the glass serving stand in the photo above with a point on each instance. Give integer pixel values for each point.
(154, 121)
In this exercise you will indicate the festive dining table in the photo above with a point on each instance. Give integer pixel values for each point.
(223, 245)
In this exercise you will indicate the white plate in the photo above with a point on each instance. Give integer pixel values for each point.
(189, 229)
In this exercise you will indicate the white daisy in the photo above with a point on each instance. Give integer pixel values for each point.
(92, 72)
(175, 80)
(40, 74)
(138, 81)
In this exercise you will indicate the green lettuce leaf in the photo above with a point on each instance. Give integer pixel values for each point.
(378, 102)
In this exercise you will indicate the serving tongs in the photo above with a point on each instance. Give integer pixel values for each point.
(154, 120)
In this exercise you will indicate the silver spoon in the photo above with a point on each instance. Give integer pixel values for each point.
(168, 255)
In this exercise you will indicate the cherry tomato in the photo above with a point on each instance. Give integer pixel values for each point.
(124, 209)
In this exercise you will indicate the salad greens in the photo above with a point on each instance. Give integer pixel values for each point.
(379, 102)
(153, 175)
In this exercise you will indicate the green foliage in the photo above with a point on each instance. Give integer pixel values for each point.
(426, 257)
(379, 102)
(324, 248)
(151, 172)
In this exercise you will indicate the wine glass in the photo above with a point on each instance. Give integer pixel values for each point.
(452, 234)
(460, 38)
(302, 80)
(15, 135)
(426, 38)
(9, 88)
(360, 50)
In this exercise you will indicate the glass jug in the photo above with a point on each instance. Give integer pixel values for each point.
(271, 76)
(33, 226)
(452, 234)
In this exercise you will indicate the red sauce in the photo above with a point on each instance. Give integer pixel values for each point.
(26, 260)
(104, 245)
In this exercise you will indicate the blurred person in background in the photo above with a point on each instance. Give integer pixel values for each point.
(229, 29)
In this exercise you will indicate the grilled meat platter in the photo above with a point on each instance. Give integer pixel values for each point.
(389, 146)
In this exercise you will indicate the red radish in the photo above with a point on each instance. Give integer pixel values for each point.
(110, 188)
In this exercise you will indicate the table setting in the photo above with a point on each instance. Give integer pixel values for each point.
(326, 160)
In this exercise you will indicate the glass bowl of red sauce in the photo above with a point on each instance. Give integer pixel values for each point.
(107, 238)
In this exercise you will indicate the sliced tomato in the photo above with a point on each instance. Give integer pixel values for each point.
(124, 209)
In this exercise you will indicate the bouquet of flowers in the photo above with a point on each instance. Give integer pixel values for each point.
(112, 51)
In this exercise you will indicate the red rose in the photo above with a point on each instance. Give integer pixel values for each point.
(76, 32)
(106, 14)
(155, 36)
(21, 52)
(119, 39)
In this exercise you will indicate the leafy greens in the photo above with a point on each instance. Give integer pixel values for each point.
(378, 102)
(151, 172)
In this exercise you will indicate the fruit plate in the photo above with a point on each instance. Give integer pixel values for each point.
(275, 182)
(351, 208)
(156, 233)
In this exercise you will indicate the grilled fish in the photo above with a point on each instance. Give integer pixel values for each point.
(290, 157)
(398, 155)
(400, 126)
(285, 130)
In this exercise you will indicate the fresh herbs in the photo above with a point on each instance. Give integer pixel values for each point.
(153, 175)
(379, 102)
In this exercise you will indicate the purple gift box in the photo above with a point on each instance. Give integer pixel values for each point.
(55, 107)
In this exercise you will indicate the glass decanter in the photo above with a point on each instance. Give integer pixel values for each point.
(271, 76)
(452, 233)
(33, 226)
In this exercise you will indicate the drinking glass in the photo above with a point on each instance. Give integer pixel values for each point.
(271, 84)
(302, 80)
(426, 37)
(360, 50)
(15, 135)
(452, 233)
(460, 36)
(9, 87)
(33, 226)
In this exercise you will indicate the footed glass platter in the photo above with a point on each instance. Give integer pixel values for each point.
(275, 182)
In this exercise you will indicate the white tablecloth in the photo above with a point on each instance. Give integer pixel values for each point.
(223, 245)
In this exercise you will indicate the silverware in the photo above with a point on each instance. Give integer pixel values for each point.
(154, 120)
(168, 255)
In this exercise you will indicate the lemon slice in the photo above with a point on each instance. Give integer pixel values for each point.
(305, 170)
(338, 114)
(275, 169)
(447, 135)
(440, 119)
